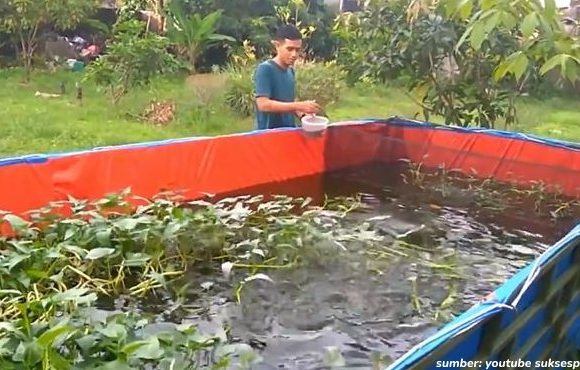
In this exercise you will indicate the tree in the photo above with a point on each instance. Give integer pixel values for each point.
(23, 19)
(465, 60)
(256, 22)
(536, 24)
(193, 33)
(133, 58)
(385, 42)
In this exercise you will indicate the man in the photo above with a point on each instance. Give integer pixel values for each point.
(274, 84)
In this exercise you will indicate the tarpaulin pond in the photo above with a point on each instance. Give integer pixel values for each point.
(376, 244)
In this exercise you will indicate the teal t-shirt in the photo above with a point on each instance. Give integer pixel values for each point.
(278, 84)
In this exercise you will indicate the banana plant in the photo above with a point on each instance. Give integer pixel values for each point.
(192, 34)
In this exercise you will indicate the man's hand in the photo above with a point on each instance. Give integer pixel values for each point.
(308, 107)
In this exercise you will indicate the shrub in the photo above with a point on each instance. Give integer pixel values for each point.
(322, 82)
(239, 94)
(133, 58)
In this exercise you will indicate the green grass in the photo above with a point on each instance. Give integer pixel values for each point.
(32, 124)
(373, 102)
(553, 117)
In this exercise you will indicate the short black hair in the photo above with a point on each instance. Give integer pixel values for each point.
(288, 31)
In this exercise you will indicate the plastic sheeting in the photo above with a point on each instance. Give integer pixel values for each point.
(228, 163)
(504, 156)
(196, 166)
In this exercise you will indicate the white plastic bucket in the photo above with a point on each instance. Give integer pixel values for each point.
(312, 123)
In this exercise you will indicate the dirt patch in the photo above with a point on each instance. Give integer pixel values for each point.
(159, 113)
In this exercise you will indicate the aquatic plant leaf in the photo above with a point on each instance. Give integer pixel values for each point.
(57, 361)
(171, 230)
(15, 260)
(76, 295)
(77, 251)
(54, 254)
(30, 353)
(4, 348)
(8, 327)
(73, 221)
(104, 237)
(136, 259)
(17, 223)
(127, 224)
(69, 233)
(115, 365)
(97, 253)
(113, 330)
(87, 342)
(49, 337)
(235, 349)
(144, 349)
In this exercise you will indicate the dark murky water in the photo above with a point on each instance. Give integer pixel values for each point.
(363, 305)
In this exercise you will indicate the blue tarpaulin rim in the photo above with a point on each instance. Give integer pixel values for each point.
(478, 313)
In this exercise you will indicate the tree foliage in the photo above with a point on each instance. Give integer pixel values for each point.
(384, 44)
(23, 19)
(193, 33)
(257, 20)
(463, 60)
(536, 25)
(133, 58)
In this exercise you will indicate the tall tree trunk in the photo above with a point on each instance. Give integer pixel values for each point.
(28, 46)
(192, 56)
(26, 57)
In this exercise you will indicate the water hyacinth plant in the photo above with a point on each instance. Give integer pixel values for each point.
(54, 268)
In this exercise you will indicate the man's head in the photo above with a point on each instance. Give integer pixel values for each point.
(288, 44)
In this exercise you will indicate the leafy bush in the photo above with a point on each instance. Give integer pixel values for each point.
(239, 94)
(444, 76)
(54, 268)
(322, 82)
(256, 20)
(121, 341)
(193, 33)
(134, 57)
(23, 21)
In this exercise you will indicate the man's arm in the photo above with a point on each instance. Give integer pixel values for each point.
(268, 105)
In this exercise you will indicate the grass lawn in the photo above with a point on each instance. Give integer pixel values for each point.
(34, 124)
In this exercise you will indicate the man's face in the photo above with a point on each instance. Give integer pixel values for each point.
(288, 51)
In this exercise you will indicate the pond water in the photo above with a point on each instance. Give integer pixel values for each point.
(460, 239)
